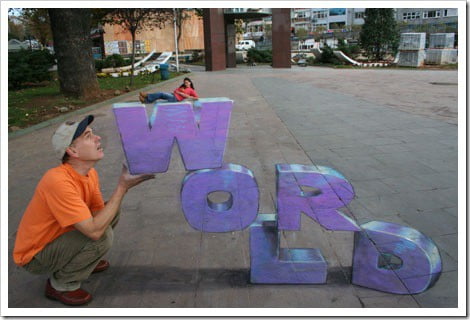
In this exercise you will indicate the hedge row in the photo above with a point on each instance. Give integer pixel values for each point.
(255, 55)
(112, 61)
(29, 66)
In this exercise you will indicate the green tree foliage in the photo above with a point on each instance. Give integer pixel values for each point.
(301, 33)
(135, 20)
(113, 61)
(342, 46)
(255, 55)
(268, 31)
(238, 26)
(327, 56)
(195, 57)
(199, 12)
(379, 34)
(351, 51)
(28, 66)
(37, 24)
(15, 29)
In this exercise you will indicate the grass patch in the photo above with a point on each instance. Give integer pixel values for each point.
(197, 63)
(35, 104)
(123, 82)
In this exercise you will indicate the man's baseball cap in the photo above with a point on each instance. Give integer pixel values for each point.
(67, 132)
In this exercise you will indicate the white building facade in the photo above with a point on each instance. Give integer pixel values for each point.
(422, 19)
(326, 19)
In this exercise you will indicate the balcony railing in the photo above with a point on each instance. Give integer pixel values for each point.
(247, 10)
(301, 19)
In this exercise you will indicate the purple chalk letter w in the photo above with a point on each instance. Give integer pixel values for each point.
(147, 146)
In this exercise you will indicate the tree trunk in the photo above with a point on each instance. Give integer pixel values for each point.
(179, 37)
(72, 46)
(179, 25)
(180, 32)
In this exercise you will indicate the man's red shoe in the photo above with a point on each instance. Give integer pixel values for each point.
(101, 266)
(72, 298)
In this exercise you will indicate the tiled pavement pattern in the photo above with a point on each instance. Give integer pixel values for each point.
(391, 133)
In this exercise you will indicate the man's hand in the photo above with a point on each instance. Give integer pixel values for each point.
(127, 180)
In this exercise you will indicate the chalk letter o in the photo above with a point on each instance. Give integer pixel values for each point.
(236, 215)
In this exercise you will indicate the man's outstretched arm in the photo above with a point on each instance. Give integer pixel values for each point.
(95, 226)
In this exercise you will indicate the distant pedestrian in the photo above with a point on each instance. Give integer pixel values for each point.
(67, 227)
(185, 91)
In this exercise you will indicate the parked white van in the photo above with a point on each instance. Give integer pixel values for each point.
(245, 44)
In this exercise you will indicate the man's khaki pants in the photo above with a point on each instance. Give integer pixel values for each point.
(71, 258)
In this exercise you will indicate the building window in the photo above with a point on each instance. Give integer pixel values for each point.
(320, 14)
(358, 15)
(140, 46)
(433, 14)
(321, 26)
(337, 11)
(337, 25)
(302, 26)
(122, 45)
(411, 15)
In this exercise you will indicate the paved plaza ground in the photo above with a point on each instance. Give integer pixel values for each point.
(392, 133)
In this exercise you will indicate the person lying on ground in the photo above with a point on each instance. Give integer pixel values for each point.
(185, 91)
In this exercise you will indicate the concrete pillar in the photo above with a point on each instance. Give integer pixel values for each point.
(281, 38)
(214, 39)
(230, 36)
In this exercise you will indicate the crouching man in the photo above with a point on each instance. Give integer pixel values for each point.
(67, 228)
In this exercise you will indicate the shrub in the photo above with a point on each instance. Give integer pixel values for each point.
(29, 66)
(342, 46)
(195, 56)
(115, 60)
(255, 55)
(327, 56)
(355, 50)
(349, 50)
(99, 64)
(311, 61)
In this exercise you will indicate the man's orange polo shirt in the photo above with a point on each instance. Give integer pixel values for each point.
(62, 198)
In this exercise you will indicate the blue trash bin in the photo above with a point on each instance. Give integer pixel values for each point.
(164, 73)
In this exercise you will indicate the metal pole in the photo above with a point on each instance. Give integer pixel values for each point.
(176, 41)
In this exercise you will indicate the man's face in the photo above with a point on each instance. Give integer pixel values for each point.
(87, 147)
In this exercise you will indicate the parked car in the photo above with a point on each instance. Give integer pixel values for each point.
(245, 44)
(302, 62)
(299, 56)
